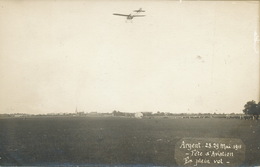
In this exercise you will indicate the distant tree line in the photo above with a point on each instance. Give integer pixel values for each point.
(118, 113)
(253, 109)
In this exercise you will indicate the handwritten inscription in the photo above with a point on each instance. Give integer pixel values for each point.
(209, 152)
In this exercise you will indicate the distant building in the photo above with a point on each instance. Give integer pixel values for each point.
(139, 115)
(80, 113)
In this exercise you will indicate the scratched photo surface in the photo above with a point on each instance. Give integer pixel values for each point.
(126, 83)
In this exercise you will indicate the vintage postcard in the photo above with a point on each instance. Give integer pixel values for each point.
(129, 83)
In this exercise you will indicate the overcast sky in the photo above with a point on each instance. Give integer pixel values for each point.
(189, 56)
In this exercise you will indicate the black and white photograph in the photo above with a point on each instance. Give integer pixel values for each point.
(129, 83)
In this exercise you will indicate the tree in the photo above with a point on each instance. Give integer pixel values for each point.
(253, 109)
(118, 113)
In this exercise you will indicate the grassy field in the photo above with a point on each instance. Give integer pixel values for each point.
(114, 141)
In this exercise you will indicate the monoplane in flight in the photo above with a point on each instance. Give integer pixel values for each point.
(131, 16)
(139, 10)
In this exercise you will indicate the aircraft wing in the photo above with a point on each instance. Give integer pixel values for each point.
(117, 14)
(138, 15)
(139, 10)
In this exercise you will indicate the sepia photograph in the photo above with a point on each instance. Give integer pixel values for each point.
(129, 83)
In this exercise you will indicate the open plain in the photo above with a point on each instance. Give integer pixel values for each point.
(114, 141)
